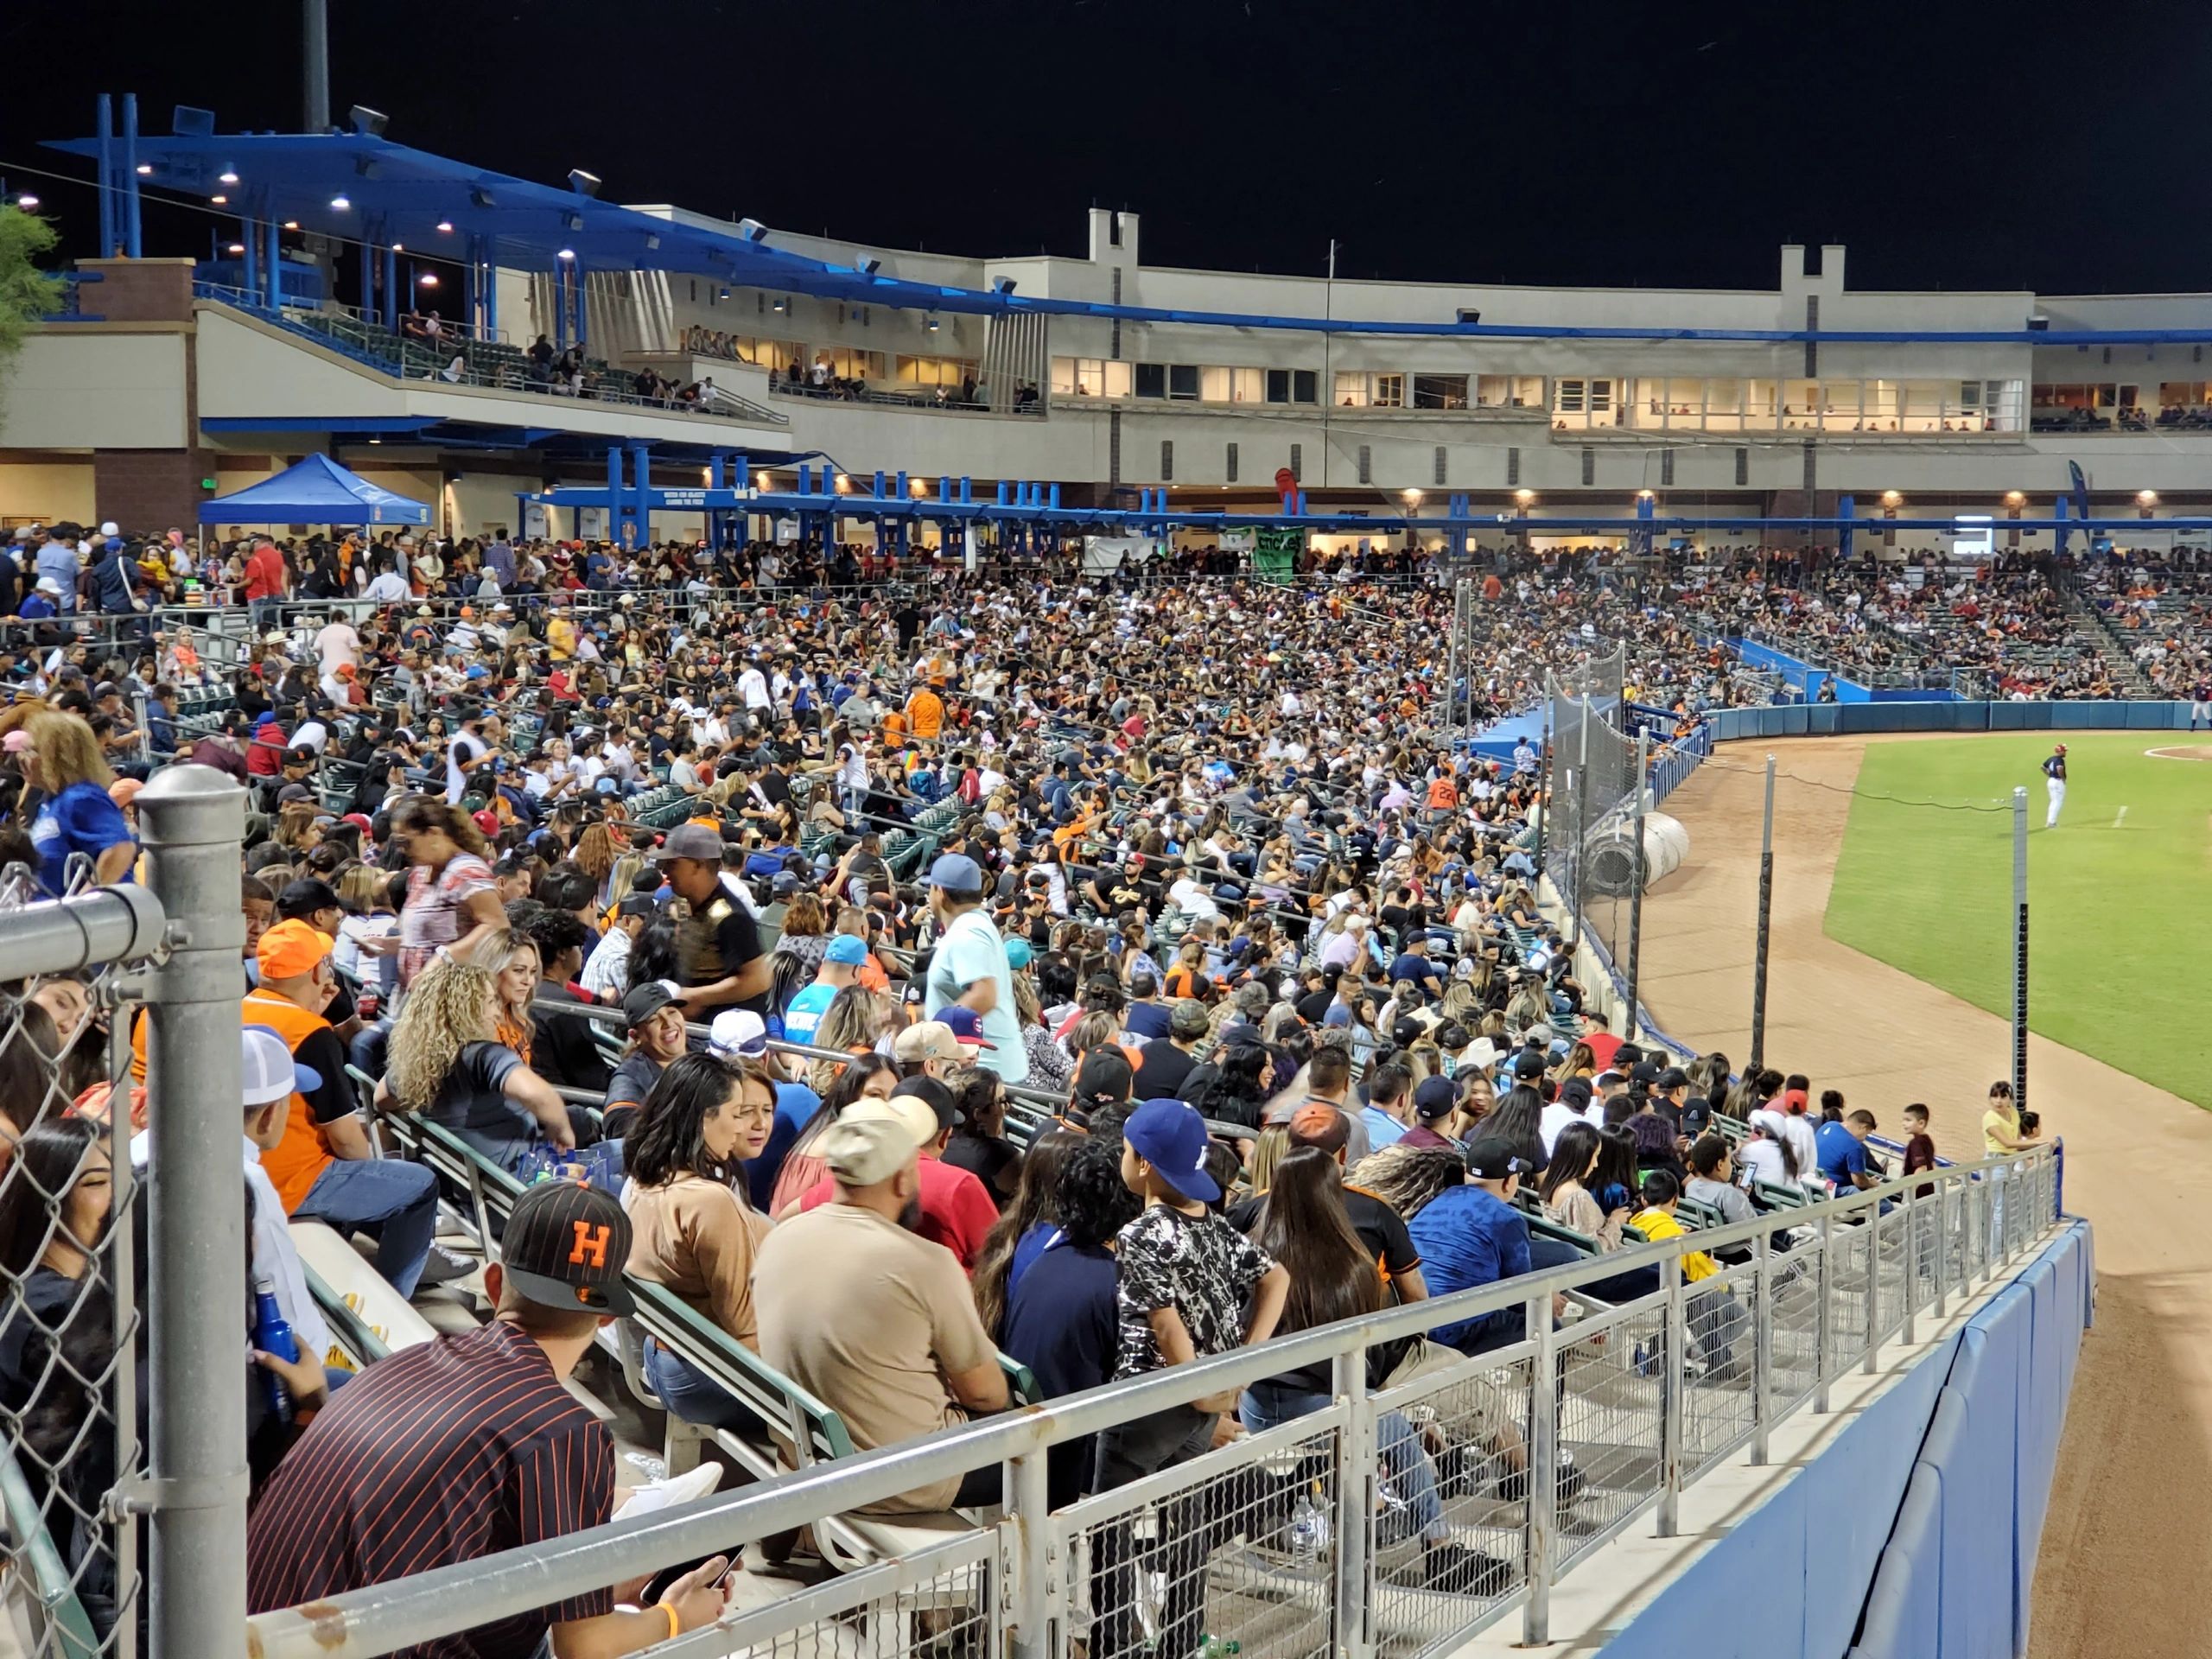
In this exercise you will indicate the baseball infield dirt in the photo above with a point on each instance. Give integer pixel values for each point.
(2127, 1557)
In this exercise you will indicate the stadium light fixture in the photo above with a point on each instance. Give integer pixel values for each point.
(2147, 498)
(27, 201)
(399, 247)
(427, 279)
(1524, 497)
(2014, 498)
(228, 175)
(1890, 498)
(291, 224)
(369, 123)
(1413, 497)
(340, 203)
(870, 265)
(752, 230)
(445, 226)
(218, 200)
(236, 247)
(844, 485)
(583, 183)
(145, 168)
(1644, 495)
(566, 253)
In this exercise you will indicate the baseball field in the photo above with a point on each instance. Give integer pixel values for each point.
(2119, 893)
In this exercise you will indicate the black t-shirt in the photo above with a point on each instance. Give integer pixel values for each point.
(716, 941)
(472, 1101)
(1162, 1069)
(985, 1157)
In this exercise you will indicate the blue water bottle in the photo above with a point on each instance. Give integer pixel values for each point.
(273, 1335)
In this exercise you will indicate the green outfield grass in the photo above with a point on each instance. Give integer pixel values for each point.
(2120, 960)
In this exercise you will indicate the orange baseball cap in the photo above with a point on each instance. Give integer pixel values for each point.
(290, 949)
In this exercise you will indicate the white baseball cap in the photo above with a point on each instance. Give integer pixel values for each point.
(737, 1033)
(269, 1071)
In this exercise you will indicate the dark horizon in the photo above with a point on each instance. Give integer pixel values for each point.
(1672, 146)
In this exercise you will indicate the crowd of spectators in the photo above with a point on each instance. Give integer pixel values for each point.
(1204, 868)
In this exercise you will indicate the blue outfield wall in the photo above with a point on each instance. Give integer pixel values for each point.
(1918, 714)
(1914, 1535)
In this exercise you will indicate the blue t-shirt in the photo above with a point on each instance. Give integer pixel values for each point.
(1841, 1154)
(80, 819)
(1382, 1129)
(796, 1105)
(1061, 1323)
(1419, 969)
(1468, 1238)
(1146, 1020)
(802, 1015)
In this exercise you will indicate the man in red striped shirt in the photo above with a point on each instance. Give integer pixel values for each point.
(463, 1448)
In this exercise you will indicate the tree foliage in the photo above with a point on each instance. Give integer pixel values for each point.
(26, 292)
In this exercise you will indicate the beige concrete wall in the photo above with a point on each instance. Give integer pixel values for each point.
(48, 490)
(83, 387)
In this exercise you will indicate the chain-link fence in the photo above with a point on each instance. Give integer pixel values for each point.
(107, 1311)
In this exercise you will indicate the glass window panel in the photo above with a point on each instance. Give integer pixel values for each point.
(1183, 382)
(1304, 386)
(1389, 392)
(1278, 385)
(1439, 392)
(1118, 379)
(1213, 385)
(1152, 379)
(1352, 389)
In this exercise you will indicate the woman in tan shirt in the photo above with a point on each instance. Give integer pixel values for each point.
(1566, 1201)
(693, 1231)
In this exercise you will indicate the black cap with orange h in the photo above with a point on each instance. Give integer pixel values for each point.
(565, 1247)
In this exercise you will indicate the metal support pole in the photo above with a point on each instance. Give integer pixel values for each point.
(1766, 912)
(1356, 1500)
(1942, 1244)
(1910, 1211)
(191, 821)
(2019, 950)
(1762, 1348)
(314, 65)
(1029, 1509)
(1873, 1284)
(1821, 1324)
(107, 190)
(1543, 1474)
(1543, 792)
(1642, 867)
(131, 242)
(1451, 660)
(1674, 1356)
(1574, 854)
(275, 272)
(391, 286)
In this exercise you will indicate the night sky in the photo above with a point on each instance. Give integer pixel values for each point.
(1949, 145)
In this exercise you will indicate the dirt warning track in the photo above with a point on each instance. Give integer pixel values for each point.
(2127, 1557)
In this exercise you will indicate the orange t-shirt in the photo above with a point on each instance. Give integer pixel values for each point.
(925, 713)
(1443, 795)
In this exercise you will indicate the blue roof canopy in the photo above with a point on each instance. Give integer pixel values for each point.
(440, 208)
(315, 491)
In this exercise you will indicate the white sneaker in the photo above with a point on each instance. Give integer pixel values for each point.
(668, 1493)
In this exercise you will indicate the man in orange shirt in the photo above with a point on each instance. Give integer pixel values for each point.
(925, 713)
(325, 1169)
(1443, 793)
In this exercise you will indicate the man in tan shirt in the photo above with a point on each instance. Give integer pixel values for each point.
(875, 1322)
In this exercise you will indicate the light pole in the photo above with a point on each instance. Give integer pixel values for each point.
(314, 64)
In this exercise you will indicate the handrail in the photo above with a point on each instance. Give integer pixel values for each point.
(376, 1619)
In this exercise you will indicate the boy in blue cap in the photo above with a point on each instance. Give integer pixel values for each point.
(1189, 1285)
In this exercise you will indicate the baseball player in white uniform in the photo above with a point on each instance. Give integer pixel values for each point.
(2054, 783)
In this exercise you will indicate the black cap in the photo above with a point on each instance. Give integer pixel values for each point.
(1434, 1097)
(635, 903)
(306, 896)
(935, 1096)
(643, 1002)
(1673, 1077)
(1529, 1064)
(565, 1246)
(1646, 1072)
(1492, 1158)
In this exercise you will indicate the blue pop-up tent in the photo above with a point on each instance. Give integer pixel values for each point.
(314, 491)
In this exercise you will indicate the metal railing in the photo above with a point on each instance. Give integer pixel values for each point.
(921, 401)
(1307, 1533)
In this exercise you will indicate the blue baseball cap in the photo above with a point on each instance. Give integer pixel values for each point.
(1171, 1137)
(957, 872)
(965, 1025)
(847, 950)
(1018, 954)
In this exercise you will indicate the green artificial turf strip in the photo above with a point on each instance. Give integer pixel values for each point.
(2120, 916)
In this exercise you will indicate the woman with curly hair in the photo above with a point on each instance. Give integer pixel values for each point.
(445, 1065)
(856, 1020)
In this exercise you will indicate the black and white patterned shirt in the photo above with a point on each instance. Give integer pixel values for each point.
(1199, 1266)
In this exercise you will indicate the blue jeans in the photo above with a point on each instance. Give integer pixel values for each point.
(529, 1162)
(395, 1204)
(689, 1394)
(1265, 1405)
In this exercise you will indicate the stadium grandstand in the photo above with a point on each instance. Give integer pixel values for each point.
(921, 943)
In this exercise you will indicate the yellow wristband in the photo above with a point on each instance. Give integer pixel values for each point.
(675, 1620)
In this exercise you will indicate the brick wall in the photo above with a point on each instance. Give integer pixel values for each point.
(138, 290)
(149, 490)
